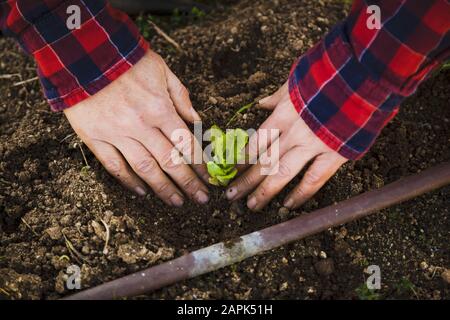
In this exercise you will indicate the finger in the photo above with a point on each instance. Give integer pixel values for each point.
(184, 141)
(261, 140)
(174, 165)
(113, 161)
(248, 181)
(180, 97)
(278, 122)
(282, 173)
(271, 102)
(148, 169)
(322, 169)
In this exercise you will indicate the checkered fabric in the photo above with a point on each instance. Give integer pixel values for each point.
(73, 64)
(348, 86)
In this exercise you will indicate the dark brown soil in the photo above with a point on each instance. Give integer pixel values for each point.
(231, 57)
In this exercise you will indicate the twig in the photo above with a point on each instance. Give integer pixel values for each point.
(67, 137)
(32, 230)
(10, 53)
(207, 109)
(64, 257)
(165, 36)
(240, 111)
(9, 76)
(25, 81)
(5, 292)
(84, 156)
(78, 256)
(4, 181)
(105, 248)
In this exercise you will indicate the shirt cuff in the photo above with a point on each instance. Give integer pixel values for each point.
(75, 64)
(338, 98)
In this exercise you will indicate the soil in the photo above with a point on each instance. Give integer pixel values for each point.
(53, 208)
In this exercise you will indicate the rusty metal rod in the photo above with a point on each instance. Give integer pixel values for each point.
(226, 253)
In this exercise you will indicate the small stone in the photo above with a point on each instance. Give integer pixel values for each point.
(284, 286)
(264, 28)
(54, 232)
(284, 260)
(107, 215)
(283, 212)
(258, 77)
(446, 275)
(66, 220)
(322, 255)
(98, 230)
(234, 30)
(324, 267)
(212, 100)
(423, 265)
(216, 213)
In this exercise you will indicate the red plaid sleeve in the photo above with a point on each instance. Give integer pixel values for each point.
(348, 86)
(73, 64)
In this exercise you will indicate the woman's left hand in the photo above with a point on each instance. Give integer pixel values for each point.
(298, 145)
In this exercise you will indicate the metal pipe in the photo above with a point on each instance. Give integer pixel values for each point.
(226, 253)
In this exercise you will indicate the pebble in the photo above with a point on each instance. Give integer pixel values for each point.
(423, 265)
(85, 250)
(54, 232)
(323, 255)
(283, 212)
(325, 267)
(446, 276)
(212, 100)
(66, 220)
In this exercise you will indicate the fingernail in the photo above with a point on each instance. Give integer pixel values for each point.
(264, 100)
(201, 197)
(251, 203)
(176, 200)
(140, 191)
(288, 203)
(231, 193)
(196, 116)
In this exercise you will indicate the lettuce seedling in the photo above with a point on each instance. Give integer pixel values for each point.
(227, 151)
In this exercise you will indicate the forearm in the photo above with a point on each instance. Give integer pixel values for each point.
(73, 64)
(350, 85)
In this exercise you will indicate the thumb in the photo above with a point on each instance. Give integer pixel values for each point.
(271, 102)
(180, 98)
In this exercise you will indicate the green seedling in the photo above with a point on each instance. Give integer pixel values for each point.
(240, 111)
(365, 293)
(227, 151)
(405, 286)
(84, 172)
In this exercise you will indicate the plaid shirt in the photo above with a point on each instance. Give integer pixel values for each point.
(73, 64)
(348, 86)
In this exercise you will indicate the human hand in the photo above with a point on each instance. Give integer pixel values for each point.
(129, 124)
(297, 146)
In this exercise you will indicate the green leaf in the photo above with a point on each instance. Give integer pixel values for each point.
(241, 142)
(227, 150)
(236, 140)
(218, 144)
(213, 169)
(240, 111)
(225, 180)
